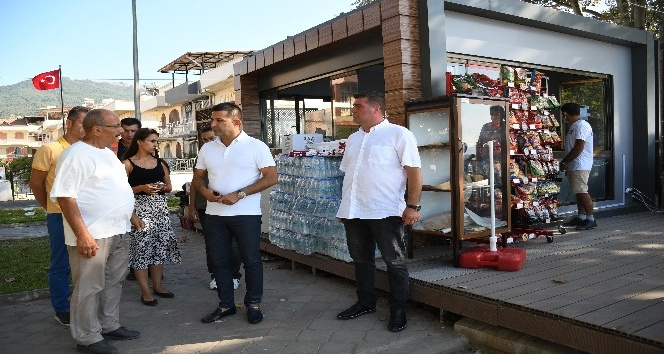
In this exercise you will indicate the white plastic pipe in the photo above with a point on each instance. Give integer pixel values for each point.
(493, 240)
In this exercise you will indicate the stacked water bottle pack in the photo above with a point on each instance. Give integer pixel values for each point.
(304, 206)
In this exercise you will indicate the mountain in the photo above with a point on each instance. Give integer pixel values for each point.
(22, 99)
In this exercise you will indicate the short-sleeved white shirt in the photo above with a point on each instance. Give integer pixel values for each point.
(231, 168)
(580, 130)
(98, 181)
(375, 181)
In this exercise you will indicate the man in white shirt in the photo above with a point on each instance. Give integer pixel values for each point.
(578, 162)
(197, 205)
(380, 161)
(96, 232)
(238, 167)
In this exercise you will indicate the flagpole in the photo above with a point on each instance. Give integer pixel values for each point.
(62, 102)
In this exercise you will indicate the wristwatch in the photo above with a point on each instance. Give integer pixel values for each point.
(241, 194)
(416, 207)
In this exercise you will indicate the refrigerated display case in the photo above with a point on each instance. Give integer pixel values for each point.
(453, 134)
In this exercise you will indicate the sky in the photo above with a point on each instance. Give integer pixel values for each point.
(92, 39)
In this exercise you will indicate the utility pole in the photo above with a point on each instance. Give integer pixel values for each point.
(137, 96)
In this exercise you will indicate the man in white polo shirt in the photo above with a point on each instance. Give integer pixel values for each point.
(380, 160)
(238, 167)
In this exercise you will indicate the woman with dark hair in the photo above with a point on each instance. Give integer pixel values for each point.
(155, 244)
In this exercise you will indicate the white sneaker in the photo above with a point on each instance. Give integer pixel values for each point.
(213, 284)
(236, 283)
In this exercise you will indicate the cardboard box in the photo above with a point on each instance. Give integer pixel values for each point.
(300, 141)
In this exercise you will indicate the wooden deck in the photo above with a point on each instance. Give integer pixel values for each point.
(598, 291)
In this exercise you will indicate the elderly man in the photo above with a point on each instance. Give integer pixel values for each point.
(41, 180)
(97, 203)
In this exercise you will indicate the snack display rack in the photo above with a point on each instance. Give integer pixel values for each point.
(534, 134)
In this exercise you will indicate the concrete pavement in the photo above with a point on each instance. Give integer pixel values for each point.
(300, 317)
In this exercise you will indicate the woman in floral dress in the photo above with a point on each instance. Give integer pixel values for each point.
(154, 245)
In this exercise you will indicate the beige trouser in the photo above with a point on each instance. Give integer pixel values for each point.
(95, 300)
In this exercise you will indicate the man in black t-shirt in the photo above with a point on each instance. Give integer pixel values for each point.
(129, 127)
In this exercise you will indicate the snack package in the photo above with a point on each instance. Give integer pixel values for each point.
(536, 169)
(513, 119)
(506, 74)
(521, 76)
(531, 215)
(515, 170)
(553, 102)
(556, 138)
(526, 191)
(514, 142)
(534, 141)
(536, 79)
(542, 212)
(553, 120)
(554, 166)
(552, 207)
(463, 83)
(546, 138)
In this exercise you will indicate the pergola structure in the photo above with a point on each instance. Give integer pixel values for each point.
(201, 61)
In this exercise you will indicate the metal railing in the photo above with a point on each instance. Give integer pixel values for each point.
(176, 164)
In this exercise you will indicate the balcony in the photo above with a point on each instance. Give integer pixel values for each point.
(120, 107)
(176, 164)
(186, 92)
(153, 102)
(178, 130)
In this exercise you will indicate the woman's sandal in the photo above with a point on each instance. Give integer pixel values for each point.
(152, 302)
(167, 295)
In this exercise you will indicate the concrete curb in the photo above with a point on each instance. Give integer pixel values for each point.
(496, 340)
(12, 299)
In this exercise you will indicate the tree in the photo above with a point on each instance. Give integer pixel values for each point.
(360, 3)
(642, 14)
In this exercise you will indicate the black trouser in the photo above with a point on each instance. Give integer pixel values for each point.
(362, 237)
(235, 260)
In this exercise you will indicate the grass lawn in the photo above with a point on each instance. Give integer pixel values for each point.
(15, 216)
(24, 264)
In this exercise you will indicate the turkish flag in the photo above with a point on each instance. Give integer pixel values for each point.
(47, 81)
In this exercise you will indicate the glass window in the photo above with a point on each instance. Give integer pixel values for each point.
(587, 89)
(343, 88)
(591, 95)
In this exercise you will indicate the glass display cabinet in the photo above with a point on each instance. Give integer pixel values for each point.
(454, 135)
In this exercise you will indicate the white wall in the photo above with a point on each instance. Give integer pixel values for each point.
(473, 35)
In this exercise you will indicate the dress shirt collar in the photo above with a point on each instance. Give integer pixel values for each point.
(382, 124)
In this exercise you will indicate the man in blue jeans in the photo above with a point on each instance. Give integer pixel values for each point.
(41, 181)
(380, 161)
(197, 205)
(238, 167)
